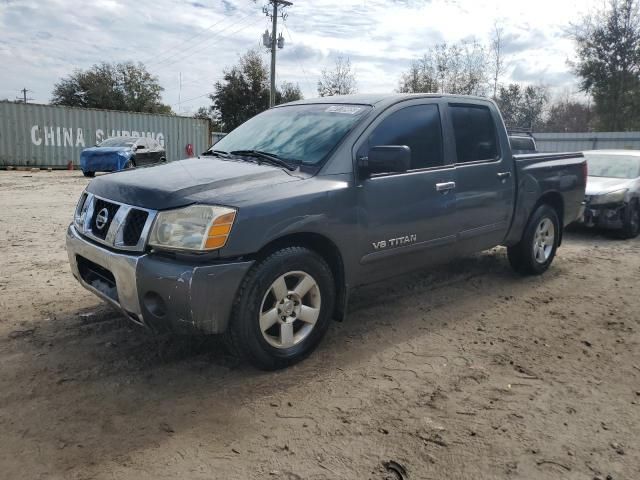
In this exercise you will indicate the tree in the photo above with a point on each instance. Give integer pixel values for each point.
(458, 69)
(111, 86)
(522, 107)
(608, 50)
(339, 81)
(209, 114)
(288, 92)
(569, 116)
(244, 92)
(497, 57)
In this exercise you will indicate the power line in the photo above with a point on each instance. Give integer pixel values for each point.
(194, 98)
(185, 41)
(304, 73)
(178, 56)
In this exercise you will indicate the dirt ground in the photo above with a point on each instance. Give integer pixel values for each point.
(465, 372)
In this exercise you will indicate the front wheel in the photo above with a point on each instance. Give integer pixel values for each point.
(537, 247)
(89, 174)
(282, 310)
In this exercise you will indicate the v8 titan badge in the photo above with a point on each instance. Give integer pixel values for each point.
(395, 242)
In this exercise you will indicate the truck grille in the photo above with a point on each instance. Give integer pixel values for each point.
(134, 225)
(117, 225)
(103, 214)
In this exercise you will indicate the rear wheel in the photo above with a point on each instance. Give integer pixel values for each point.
(631, 221)
(89, 174)
(282, 310)
(537, 248)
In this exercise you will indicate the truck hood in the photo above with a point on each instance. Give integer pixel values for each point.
(600, 185)
(180, 183)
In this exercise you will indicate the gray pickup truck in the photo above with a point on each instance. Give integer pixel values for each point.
(263, 237)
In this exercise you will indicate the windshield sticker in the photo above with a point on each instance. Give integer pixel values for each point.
(349, 110)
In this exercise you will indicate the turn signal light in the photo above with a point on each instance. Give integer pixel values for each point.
(219, 231)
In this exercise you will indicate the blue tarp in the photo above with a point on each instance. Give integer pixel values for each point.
(104, 159)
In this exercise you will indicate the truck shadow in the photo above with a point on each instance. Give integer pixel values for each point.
(111, 388)
(584, 235)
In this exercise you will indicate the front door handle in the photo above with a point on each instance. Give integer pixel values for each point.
(445, 187)
(504, 175)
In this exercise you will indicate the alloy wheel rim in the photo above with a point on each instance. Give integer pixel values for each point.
(543, 240)
(290, 309)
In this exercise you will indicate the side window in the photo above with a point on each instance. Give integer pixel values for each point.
(152, 143)
(475, 133)
(417, 127)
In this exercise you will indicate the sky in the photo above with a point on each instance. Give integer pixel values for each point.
(188, 44)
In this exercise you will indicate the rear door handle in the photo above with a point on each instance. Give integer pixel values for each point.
(445, 187)
(504, 175)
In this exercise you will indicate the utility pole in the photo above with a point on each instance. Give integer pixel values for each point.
(24, 98)
(274, 41)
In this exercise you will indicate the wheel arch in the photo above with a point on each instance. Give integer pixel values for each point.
(324, 247)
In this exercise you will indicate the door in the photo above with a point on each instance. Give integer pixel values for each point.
(406, 219)
(484, 177)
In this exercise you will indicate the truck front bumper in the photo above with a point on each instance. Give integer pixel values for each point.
(164, 294)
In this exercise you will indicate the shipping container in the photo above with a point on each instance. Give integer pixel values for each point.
(578, 142)
(52, 136)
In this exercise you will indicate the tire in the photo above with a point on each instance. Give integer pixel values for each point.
(537, 248)
(131, 163)
(631, 221)
(89, 174)
(266, 326)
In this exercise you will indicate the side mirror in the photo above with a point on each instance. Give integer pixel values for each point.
(139, 147)
(386, 159)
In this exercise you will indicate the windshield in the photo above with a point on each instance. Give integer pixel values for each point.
(299, 133)
(613, 166)
(118, 142)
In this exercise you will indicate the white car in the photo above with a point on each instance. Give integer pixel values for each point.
(613, 191)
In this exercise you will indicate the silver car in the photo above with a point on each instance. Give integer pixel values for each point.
(613, 191)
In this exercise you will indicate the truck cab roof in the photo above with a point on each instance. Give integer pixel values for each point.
(382, 99)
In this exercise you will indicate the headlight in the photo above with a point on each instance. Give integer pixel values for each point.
(124, 153)
(196, 228)
(81, 211)
(606, 198)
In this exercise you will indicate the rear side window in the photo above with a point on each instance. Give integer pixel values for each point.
(475, 133)
(521, 143)
(417, 127)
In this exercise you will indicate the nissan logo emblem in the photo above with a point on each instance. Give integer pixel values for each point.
(102, 218)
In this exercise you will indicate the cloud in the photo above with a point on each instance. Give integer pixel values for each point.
(44, 40)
